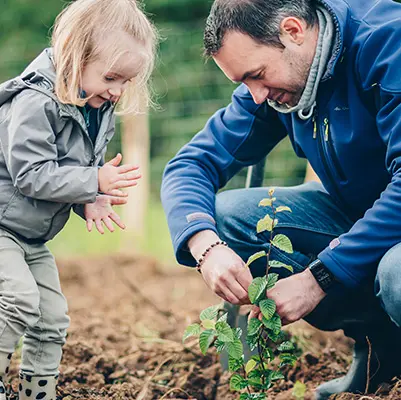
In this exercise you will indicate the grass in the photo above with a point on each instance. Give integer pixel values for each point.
(75, 240)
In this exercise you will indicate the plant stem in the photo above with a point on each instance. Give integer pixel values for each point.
(243, 370)
(261, 356)
(271, 235)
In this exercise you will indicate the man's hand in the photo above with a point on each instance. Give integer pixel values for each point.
(100, 212)
(112, 178)
(295, 297)
(223, 270)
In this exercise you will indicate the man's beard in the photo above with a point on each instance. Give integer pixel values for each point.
(301, 69)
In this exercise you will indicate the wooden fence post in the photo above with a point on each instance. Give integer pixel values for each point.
(135, 141)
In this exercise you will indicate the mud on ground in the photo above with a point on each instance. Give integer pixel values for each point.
(128, 314)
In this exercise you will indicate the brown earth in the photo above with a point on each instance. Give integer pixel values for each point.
(128, 315)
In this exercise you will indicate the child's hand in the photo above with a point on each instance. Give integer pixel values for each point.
(101, 212)
(112, 177)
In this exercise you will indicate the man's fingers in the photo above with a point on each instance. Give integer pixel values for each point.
(254, 312)
(221, 295)
(89, 224)
(230, 296)
(99, 226)
(244, 278)
(117, 220)
(239, 292)
(127, 168)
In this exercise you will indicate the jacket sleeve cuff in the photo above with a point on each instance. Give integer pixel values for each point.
(342, 274)
(79, 210)
(182, 253)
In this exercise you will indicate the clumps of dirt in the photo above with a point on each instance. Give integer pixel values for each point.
(128, 314)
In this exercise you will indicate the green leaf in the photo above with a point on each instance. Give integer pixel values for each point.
(299, 390)
(235, 382)
(235, 349)
(224, 332)
(276, 337)
(253, 396)
(283, 243)
(220, 346)
(234, 364)
(271, 281)
(237, 332)
(287, 359)
(208, 324)
(210, 312)
(264, 224)
(255, 257)
(268, 308)
(276, 375)
(252, 342)
(250, 365)
(253, 326)
(257, 358)
(257, 289)
(191, 330)
(269, 354)
(205, 340)
(283, 208)
(223, 317)
(274, 323)
(286, 346)
(279, 264)
(256, 373)
(266, 202)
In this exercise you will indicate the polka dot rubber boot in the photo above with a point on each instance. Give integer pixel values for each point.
(32, 387)
(4, 367)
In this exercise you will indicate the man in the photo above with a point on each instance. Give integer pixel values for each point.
(326, 74)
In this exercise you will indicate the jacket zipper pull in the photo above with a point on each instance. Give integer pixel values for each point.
(314, 118)
(326, 130)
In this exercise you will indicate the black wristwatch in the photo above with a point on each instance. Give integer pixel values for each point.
(322, 274)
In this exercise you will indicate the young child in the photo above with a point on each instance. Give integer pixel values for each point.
(56, 120)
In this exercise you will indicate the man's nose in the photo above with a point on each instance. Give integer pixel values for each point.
(259, 92)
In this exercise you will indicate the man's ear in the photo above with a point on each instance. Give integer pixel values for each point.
(292, 29)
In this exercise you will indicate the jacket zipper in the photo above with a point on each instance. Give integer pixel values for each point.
(322, 135)
(332, 156)
(80, 121)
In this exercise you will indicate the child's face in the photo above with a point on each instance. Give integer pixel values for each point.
(106, 84)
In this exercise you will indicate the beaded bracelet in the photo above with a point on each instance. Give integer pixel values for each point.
(203, 257)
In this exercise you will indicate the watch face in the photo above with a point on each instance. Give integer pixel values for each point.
(322, 275)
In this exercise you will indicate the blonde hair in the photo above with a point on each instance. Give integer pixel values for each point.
(78, 38)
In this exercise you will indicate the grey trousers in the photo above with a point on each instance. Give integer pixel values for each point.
(31, 305)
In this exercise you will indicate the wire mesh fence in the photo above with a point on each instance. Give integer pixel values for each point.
(190, 90)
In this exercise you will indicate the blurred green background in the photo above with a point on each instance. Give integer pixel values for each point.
(189, 90)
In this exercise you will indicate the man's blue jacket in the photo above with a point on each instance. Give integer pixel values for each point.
(353, 142)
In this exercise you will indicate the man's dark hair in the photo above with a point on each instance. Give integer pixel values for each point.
(260, 19)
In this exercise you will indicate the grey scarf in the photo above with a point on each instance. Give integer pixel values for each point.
(323, 53)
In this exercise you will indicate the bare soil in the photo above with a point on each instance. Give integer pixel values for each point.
(128, 315)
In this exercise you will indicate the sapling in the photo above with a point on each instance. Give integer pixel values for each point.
(253, 377)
